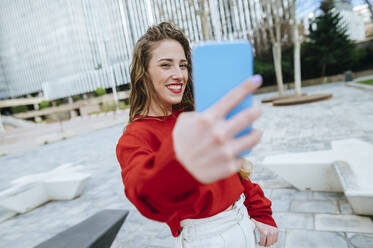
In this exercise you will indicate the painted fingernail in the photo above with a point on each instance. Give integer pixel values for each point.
(257, 79)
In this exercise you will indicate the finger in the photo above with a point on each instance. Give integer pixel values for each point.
(241, 121)
(274, 236)
(263, 238)
(270, 239)
(221, 108)
(246, 142)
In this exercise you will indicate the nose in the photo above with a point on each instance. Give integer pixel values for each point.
(177, 74)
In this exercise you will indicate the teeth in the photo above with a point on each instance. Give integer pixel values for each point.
(174, 87)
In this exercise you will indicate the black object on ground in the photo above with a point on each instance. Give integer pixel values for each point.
(348, 76)
(98, 231)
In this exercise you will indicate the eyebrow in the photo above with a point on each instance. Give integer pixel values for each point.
(170, 60)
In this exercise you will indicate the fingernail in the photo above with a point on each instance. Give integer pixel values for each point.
(257, 79)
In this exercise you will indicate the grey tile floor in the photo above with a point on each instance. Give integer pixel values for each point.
(303, 217)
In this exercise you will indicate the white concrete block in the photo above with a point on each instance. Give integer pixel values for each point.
(24, 198)
(62, 183)
(315, 171)
(29, 179)
(362, 204)
(307, 176)
(359, 156)
(39, 177)
(66, 187)
(360, 196)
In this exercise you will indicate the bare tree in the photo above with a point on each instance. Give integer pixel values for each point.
(258, 44)
(268, 7)
(297, 63)
(286, 27)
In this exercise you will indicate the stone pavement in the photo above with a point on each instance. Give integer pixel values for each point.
(305, 219)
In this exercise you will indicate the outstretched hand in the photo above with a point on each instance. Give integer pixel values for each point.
(268, 234)
(204, 142)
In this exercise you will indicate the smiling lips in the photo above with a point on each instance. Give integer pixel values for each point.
(175, 88)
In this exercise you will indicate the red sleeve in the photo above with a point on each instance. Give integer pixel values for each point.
(258, 206)
(154, 180)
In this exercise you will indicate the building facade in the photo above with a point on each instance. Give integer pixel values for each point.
(353, 22)
(67, 47)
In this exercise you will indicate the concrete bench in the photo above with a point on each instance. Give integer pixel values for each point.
(98, 231)
(307, 170)
(354, 171)
(360, 198)
(26, 193)
(347, 168)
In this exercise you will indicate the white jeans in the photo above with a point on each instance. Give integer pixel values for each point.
(231, 228)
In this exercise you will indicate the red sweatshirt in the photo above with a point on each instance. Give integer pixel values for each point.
(163, 190)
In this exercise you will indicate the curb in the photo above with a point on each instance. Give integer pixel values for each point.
(360, 86)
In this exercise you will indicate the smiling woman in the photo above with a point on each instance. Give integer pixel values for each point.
(161, 63)
(168, 71)
(182, 167)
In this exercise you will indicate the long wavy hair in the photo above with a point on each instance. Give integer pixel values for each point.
(142, 89)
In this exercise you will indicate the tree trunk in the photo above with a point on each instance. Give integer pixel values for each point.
(276, 49)
(277, 46)
(2, 129)
(297, 64)
(262, 41)
(256, 34)
(204, 20)
(203, 16)
(284, 12)
(267, 6)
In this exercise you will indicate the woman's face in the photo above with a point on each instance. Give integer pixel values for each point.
(168, 71)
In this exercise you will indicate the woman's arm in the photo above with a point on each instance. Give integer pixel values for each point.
(155, 182)
(258, 206)
(259, 209)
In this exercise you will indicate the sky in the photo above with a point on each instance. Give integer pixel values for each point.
(306, 6)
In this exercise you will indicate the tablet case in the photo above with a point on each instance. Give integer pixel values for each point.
(217, 68)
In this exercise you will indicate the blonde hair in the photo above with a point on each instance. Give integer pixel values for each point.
(246, 169)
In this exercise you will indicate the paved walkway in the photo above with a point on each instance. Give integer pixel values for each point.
(305, 219)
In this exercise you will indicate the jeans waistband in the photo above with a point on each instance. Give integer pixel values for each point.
(207, 227)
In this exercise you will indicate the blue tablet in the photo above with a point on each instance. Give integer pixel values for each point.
(218, 67)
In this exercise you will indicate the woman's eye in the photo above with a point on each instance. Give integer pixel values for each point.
(184, 66)
(165, 65)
